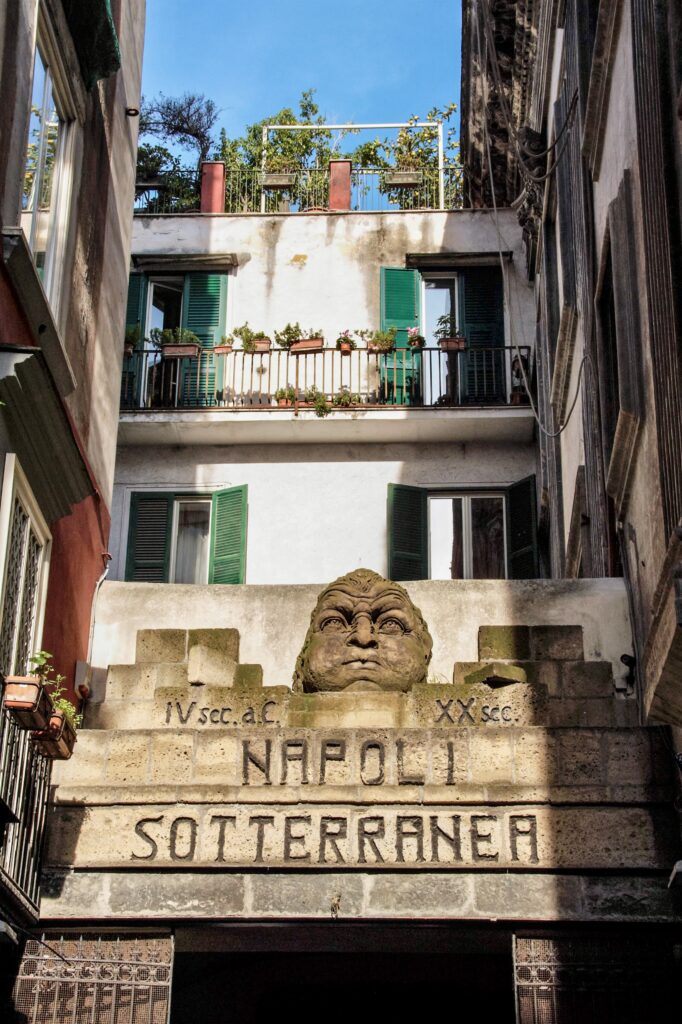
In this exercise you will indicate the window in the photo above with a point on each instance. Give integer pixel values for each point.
(474, 298)
(46, 193)
(24, 560)
(187, 538)
(486, 534)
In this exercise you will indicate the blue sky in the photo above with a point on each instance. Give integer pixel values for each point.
(368, 61)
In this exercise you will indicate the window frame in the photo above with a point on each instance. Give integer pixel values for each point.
(466, 494)
(151, 282)
(435, 275)
(172, 558)
(15, 486)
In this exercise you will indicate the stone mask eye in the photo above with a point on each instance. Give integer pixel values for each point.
(333, 624)
(393, 627)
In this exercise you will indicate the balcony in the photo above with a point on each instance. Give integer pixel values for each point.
(408, 394)
(24, 790)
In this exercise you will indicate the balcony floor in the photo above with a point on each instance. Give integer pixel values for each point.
(349, 426)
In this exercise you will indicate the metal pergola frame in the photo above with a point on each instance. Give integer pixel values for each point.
(267, 128)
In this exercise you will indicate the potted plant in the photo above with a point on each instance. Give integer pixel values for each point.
(318, 400)
(519, 371)
(380, 341)
(285, 396)
(289, 335)
(26, 698)
(309, 341)
(345, 398)
(58, 738)
(414, 338)
(131, 340)
(178, 343)
(449, 337)
(252, 341)
(345, 343)
(225, 346)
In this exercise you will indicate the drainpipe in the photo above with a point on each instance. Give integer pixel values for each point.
(339, 184)
(212, 186)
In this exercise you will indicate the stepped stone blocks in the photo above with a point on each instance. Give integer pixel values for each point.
(522, 789)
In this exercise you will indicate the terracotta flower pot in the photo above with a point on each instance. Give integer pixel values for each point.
(180, 351)
(262, 344)
(308, 345)
(284, 403)
(26, 699)
(345, 348)
(58, 739)
(222, 350)
(452, 344)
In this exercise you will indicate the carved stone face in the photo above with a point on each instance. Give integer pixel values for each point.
(365, 634)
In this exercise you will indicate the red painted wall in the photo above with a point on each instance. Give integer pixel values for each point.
(14, 327)
(78, 544)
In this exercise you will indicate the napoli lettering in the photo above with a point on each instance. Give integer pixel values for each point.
(311, 836)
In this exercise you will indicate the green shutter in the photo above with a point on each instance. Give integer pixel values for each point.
(522, 530)
(204, 302)
(400, 371)
(228, 536)
(408, 538)
(137, 301)
(151, 517)
(481, 320)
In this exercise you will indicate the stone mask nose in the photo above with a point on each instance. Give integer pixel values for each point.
(362, 632)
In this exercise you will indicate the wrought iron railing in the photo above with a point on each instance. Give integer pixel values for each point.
(249, 190)
(418, 378)
(24, 789)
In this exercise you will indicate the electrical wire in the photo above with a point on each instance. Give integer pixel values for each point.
(507, 292)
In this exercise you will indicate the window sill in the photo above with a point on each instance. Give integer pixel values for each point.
(21, 269)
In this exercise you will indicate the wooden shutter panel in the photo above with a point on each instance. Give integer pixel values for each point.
(137, 301)
(203, 311)
(149, 537)
(522, 530)
(481, 320)
(400, 371)
(408, 545)
(228, 536)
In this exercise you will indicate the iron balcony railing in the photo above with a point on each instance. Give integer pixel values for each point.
(306, 190)
(24, 790)
(416, 378)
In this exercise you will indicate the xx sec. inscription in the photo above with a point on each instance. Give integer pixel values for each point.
(470, 711)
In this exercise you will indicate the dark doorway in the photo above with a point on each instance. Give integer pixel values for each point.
(339, 987)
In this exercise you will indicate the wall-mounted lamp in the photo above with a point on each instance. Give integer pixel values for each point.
(132, 112)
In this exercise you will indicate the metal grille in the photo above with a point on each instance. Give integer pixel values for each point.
(101, 980)
(29, 601)
(595, 982)
(13, 580)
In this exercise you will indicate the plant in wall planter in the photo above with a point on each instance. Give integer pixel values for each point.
(178, 343)
(345, 398)
(58, 738)
(317, 400)
(414, 338)
(289, 335)
(285, 396)
(131, 340)
(251, 341)
(345, 343)
(450, 338)
(26, 697)
(380, 341)
(309, 341)
(225, 346)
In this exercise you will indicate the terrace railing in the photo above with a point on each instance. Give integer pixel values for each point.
(417, 378)
(24, 790)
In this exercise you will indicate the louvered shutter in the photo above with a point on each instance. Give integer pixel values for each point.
(408, 545)
(149, 537)
(136, 310)
(481, 320)
(228, 536)
(400, 370)
(522, 530)
(137, 302)
(203, 311)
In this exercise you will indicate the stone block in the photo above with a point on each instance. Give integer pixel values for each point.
(581, 754)
(130, 682)
(439, 896)
(535, 757)
(128, 759)
(170, 895)
(154, 645)
(224, 641)
(491, 757)
(586, 679)
(171, 676)
(527, 897)
(495, 673)
(451, 758)
(322, 895)
(469, 704)
(543, 673)
(559, 643)
(88, 761)
(249, 676)
(171, 757)
(216, 759)
(629, 760)
(208, 665)
(506, 642)
(628, 899)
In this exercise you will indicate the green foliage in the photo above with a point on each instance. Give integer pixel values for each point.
(288, 335)
(246, 336)
(312, 333)
(41, 663)
(346, 338)
(344, 398)
(167, 182)
(188, 120)
(174, 336)
(316, 398)
(381, 341)
(446, 326)
(288, 393)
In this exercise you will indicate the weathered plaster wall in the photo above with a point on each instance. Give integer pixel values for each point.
(323, 269)
(314, 510)
(273, 620)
